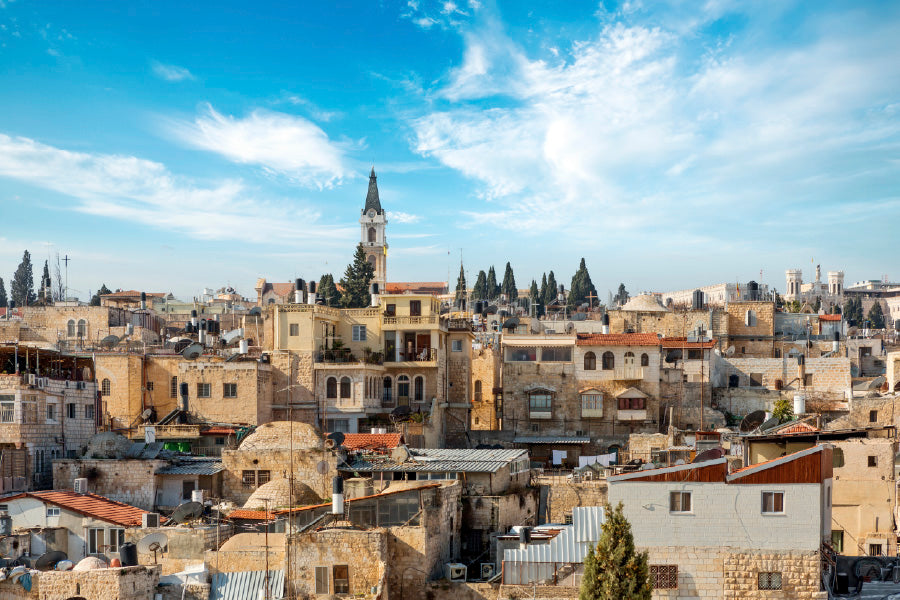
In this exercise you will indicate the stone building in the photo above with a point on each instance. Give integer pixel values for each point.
(717, 295)
(486, 389)
(831, 293)
(711, 534)
(119, 583)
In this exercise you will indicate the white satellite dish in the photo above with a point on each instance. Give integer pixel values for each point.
(730, 351)
(155, 542)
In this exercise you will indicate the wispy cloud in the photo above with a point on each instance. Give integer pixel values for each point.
(135, 190)
(172, 73)
(402, 217)
(312, 108)
(443, 13)
(280, 143)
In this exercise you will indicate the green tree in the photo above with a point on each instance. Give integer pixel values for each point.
(461, 288)
(783, 410)
(22, 287)
(328, 291)
(2, 294)
(621, 296)
(853, 312)
(509, 285)
(95, 299)
(817, 305)
(614, 570)
(46, 294)
(581, 287)
(534, 298)
(876, 316)
(479, 290)
(552, 290)
(491, 287)
(356, 280)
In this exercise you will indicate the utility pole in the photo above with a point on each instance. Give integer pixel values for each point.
(66, 260)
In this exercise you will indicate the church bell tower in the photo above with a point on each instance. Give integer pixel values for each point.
(373, 223)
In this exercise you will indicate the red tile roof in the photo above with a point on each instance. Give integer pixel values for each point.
(255, 515)
(830, 317)
(426, 486)
(132, 294)
(798, 428)
(90, 505)
(416, 287)
(218, 431)
(680, 342)
(617, 339)
(372, 441)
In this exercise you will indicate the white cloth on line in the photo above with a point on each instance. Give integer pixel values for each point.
(558, 456)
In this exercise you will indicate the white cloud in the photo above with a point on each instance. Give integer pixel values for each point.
(171, 72)
(140, 191)
(279, 143)
(402, 217)
(634, 129)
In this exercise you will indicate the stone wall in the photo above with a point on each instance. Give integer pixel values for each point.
(365, 553)
(119, 583)
(562, 495)
(486, 373)
(124, 480)
(827, 374)
(277, 463)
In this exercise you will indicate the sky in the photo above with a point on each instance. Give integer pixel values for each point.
(172, 146)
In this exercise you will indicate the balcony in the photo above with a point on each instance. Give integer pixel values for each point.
(345, 356)
(628, 373)
(422, 355)
(540, 414)
(393, 321)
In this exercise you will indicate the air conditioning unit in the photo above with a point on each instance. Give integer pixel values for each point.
(32, 379)
(79, 385)
(455, 572)
(41, 382)
(149, 520)
(81, 485)
(487, 570)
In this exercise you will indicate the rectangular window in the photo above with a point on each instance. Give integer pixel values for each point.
(116, 539)
(203, 390)
(294, 329)
(694, 354)
(567, 518)
(540, 402)
(52, 511)
(456, 346)
(415, 308)
(873, 416)
(769, 580)
(341, 579)
(253, 479)
(632, 404)
(89, 411)
(321, 580)
(592, 405)
(220, 441)
(756, 379)
(7, 410)
(664, 577)
(342, 425)
(873, 461)
(51, 412)
(263, 477)
(70, 410)
(837, 540)
(187, 488)
(149, 386)
(556, 354)
(359, 333)
(772, 502)
(96, 540)
(229, 390)
(807, 380)
(390, 310)
(521, 354)
(875, 549)
(173, 388)
(680, 502)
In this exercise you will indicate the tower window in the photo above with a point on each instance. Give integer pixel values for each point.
(372, 235)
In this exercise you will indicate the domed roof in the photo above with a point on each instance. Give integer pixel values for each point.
(107, 444)
(644, 303)
(276, 492)
(277, 436)
(89, 564)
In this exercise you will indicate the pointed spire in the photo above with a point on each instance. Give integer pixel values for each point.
(372, 200)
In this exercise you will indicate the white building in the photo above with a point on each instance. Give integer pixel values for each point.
(830, 292)
(717, 294)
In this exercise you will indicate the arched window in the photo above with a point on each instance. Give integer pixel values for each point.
(387, 391)
(629, 359)
(70, 328)
(750, 318)
(331, 387)
(609, 361)
(82, 328)
(645, 360)
(372, 234)
(372, 261)
(477, 391)
(419, 388)
(590, 361)
(104, 387)
(403, 387)
(345, 387)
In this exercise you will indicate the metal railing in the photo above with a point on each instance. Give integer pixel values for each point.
(423, 355)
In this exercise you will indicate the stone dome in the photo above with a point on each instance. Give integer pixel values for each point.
(276, 435)
(107, 444)
(276, 492)
(644, 303)
(89, 564)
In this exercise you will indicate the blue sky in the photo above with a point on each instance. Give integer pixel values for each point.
(173, 146)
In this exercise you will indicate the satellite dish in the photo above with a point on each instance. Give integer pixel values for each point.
(183, 343)
(773, 422)
(186, 512)
(752, 421)
(322, 467)
(110, 341)
(65, 565)
(235, 356)
(155, 542)
(673, 355)
(192, 351)
(730, 351)
(337, 437)
(401, 412)
(47, 561)
(711, 454)
(146, 414)
(255, 311)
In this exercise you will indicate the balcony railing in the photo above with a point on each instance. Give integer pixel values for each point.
(427, 320)
(629, 373)
(423, 355)
(344, 355)
(169, 432)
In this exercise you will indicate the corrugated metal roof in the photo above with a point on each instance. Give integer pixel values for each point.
(550, 439)
(469, 454)
(193, 467)
(245, 585)
(570, 546)
(443, 460)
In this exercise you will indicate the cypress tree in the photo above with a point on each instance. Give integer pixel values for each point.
(492, 289)
(622, 295)
(552, 290)
(581, 287)
(22, 287)
(2, 294)
(614, 570)
(479, 290)
(534, 297)
(356, 280)
(327, 290)
(461, 285)
(543, 293)
(509, 285)
(46, 284)
(95, 299)
(876, 316)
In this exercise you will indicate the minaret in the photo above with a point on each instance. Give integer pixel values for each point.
(373, 223)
